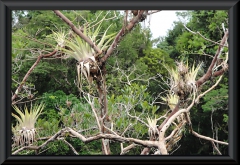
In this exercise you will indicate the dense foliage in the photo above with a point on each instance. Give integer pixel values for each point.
(136, 75)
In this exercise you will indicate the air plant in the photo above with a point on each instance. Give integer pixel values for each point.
(172, 100)
(77, 48)
(24, 131)
(182, 80)
(182, 68)
(190, 77)
(175, 80)
(152, 130)
(59, 38)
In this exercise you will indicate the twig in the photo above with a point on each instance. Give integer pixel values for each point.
(24, 148)
(175, 130)
(175, 150)
(203, 36)
(121, 33)
(93, 128)
(73, 149)
(126, 129)
(110, 130)
(29, 72)
(208, 138)
(215, 147)
(208, 74)
(103, 19)
(126, 149)
(94, 111)
(17, 102)
(204, 93)
(137, 118)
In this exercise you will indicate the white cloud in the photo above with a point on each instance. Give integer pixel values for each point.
(161, 22)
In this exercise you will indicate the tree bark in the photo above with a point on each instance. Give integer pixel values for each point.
(208, 74)
(102, 93)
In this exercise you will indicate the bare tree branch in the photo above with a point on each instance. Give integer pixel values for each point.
(204, 93)
(121, 33)
(113, 137)
(126, 149)
(215, 147)
(198, 33)
(29, 72)
(94, 111)
(73, 149)
(208, 74)
(208, 138)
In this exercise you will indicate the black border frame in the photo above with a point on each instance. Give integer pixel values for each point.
(5, 75)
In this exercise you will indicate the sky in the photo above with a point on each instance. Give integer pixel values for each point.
(161, 22)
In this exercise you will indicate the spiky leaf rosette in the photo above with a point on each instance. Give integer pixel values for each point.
(182, 68)
(172, 100)
(24, 131)
(59, 37)
(175, 79)
(152, 130)
(190, 77)
(77, 48)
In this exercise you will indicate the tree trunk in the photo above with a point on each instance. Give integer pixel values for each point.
(102, 92)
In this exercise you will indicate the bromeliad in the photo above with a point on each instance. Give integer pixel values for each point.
(24, 132)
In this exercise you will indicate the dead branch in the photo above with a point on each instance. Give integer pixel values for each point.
(215, 147)
(94, 111)
(125, 19)
(126, 149)
(121, 33)
(130, 125)
(73, 149)
(110, 130)
(23, 102)
(208, 74)
(85, 130)
(175, 130)
(113, 137)
(171, 114)
(166, 125)
(198, 33)
(145, 151)
(204, 93)
(29, 72)
(208, 138)
(137, 118)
